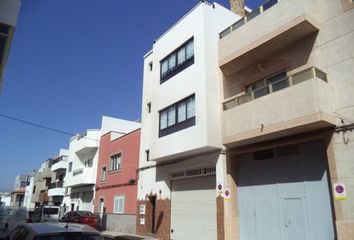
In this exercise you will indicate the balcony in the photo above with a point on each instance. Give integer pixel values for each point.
(80, 177)
(272, 27)
(45, 174)
(87, 143)
(56, 189)
(60, 165)
(298, 103)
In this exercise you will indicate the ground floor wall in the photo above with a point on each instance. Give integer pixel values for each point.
(108, 194)
(339, 152)
(125, 223)
(79, 198)
(156, 209)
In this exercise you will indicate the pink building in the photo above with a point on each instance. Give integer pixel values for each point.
(116, 188)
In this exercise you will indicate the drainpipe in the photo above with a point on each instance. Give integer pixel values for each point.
(238, 7)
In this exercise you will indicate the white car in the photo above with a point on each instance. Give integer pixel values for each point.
(10, 217)
(46, 213)
(54, 231)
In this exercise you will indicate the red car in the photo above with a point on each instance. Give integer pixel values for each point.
(83, 217)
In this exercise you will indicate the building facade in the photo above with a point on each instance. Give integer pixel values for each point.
(81, 171)
(56, 188)
(18, 194)
(116, 183)
(82, 166)
(41, 181)
(180, 157)
(287, 120)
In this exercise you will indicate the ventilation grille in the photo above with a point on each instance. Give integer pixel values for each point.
(195, 172)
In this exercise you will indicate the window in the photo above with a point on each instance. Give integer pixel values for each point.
(103, 174)
(119, 204)
(147, 152)
(116, 162)
(88, 163)
(149, 107)
(262, 87)
(150, 66)
(178, 116)
(178, 60)
(70, 168)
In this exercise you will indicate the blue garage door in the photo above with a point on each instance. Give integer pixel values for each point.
(283, 193)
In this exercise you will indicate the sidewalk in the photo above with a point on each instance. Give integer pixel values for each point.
(128, 236)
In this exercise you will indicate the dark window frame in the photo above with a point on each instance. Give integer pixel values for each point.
(178, 67)
(177, 126)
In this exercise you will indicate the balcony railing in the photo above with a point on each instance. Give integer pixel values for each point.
(56, 185)
(275, 86)
(249, 17)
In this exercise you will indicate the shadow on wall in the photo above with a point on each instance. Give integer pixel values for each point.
(288, 59)
(159, 221)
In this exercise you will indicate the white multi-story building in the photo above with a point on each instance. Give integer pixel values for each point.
(9, 10)
(81, 170)
(181, 160)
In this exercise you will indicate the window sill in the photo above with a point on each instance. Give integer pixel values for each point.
(114, 171)
(177, 70)
(177, 127)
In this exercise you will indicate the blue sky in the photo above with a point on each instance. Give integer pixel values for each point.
(72, 62)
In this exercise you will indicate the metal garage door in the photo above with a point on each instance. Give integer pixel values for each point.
(283, 194)
(193, 208)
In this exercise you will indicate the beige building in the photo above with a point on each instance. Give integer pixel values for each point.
(287, 88)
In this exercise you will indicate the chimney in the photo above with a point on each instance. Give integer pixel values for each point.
(238, 7)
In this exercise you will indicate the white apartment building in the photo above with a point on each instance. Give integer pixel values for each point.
(181, 160)
(9, 10)
(81, 171)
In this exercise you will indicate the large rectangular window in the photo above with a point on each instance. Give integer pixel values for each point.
(103, 174)
(178, 60)
(178, 116)
(119, 204)
(116, 162)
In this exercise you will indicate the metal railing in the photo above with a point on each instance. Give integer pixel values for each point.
(289, 81)
(56, 185)
(249, 17)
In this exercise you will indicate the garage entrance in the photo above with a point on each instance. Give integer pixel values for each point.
(283, 193)
(193, 208)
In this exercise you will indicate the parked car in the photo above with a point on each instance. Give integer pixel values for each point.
(10, 217)
(84, 217)
(54, 231)
(46, 213)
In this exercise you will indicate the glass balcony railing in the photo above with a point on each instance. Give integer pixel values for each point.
(283, 83)
(249, 17)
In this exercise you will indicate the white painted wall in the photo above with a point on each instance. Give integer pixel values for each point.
(204, 24)
(9, 10)
(28, 195)
(80, 150)
(118, 127)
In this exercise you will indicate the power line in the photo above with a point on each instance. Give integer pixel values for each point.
(42, 126)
